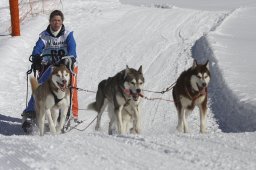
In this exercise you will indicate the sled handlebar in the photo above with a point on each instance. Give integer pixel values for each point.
(54, 59)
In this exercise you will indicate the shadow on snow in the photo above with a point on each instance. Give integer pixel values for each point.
(232, 115)
(10, 126)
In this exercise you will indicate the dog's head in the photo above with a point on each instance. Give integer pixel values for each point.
(61, 77)
(133, 82)
(200, 77)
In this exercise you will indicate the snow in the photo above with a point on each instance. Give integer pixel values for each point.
(111, 34)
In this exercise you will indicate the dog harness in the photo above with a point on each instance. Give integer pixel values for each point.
(56, 99)
(195, 97)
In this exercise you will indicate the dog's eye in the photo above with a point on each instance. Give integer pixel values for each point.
(199, 76)
(141, 83)
(133, 83)
(66, 75)
(58, 75)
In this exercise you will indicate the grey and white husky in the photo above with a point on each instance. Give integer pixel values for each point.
(122, 94)
(189, 91)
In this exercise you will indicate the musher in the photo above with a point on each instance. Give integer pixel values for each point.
(58, 42)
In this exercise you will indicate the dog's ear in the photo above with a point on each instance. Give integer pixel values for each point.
(140, 69)
(194, 64)
(126, 71)
(207, 65)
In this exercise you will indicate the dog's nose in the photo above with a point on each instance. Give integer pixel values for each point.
(204, 84)
(138, 90)
(64, 81)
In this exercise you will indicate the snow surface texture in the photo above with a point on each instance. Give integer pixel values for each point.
(164, 37)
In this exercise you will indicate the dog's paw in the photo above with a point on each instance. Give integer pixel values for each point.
(137, 130)
(97, 128)
(203, 131)
(180, 129)
(58, 130)
(132, 131)
(112, 131)
(186, 130)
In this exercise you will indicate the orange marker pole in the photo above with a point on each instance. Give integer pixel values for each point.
(15, 20)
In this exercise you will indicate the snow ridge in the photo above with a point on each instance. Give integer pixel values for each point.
(228, 109)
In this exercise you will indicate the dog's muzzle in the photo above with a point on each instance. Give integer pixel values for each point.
(62, 85)
(202, 89)
(135, 96)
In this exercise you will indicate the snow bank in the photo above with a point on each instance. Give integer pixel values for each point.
(193, 4)
(231, 114)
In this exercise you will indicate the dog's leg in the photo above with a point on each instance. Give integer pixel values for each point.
(202, 119)
(55, 115)
(126, 120)
(137, 120)
(63, 115)
(180, 120)
(126, 125)
(185, 123)
(118, 112)
(110, 127)
(50, 121)
(101, 110)
(112, 117)
(41, 118)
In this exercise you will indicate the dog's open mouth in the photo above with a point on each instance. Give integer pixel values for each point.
(135, 96)
(62, 86)
(201, 89)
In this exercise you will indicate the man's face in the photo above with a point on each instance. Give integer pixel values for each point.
(56, 22)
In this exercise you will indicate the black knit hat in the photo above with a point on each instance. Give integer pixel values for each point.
(56, 13)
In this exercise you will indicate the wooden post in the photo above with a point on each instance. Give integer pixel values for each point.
(15, 20)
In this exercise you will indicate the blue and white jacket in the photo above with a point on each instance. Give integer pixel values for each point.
(62, 44)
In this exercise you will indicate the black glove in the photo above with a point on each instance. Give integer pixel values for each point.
(36, 62)
(36, 59)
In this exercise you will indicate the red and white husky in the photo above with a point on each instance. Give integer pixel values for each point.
(52, 97)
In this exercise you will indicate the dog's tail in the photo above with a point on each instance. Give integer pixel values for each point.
(92, 106)
(34, 83)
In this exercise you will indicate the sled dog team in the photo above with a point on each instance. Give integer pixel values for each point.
(121, 95)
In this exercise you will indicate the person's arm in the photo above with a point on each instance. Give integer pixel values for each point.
(37, 51)
(38, 48)
(71, 45)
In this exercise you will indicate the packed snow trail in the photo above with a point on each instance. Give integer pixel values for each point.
(110, 35)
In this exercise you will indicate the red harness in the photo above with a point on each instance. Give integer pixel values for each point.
(200, 93)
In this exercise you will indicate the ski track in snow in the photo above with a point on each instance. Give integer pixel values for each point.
(159, 39)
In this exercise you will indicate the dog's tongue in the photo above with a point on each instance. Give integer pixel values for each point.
(63, 87)
(135, 96)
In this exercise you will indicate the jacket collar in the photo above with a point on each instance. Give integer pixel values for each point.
(61, 32)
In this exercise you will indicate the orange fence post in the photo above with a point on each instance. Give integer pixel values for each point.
(15, 20)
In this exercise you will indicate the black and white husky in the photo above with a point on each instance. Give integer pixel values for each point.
(189, 91)
(122, 94)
